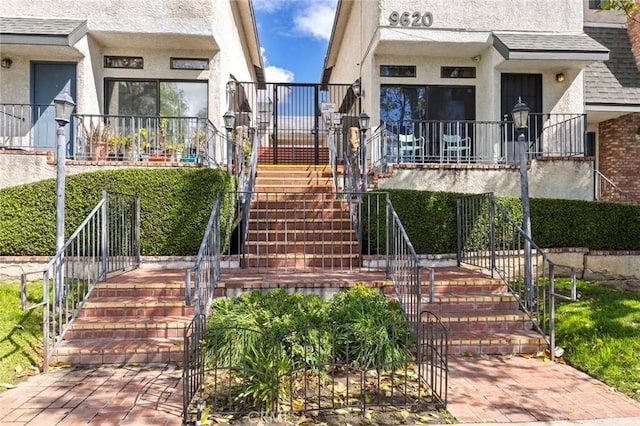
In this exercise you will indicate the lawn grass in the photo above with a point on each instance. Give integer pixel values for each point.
(601, 335)
(20, 333)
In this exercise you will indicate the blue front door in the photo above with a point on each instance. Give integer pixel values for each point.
(48, 80)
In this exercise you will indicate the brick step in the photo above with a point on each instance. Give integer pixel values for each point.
(485, 321)
(338, 224)
(294, 197)
(332, 235)
(470, 302)
(293, 188)
(503, 342)
(293, 248)
(132, 328)
(298, 214)
(109, 351)
(294, 180)
(263, 202)
(304, 261)
(134, 307)
(169, 289)
(292, 173)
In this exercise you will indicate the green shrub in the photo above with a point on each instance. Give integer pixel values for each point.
(175, 207)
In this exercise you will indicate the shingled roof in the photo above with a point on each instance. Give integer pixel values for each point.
(616, 81)
(41, 30)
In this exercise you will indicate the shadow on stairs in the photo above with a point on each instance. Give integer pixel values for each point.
(139, 316)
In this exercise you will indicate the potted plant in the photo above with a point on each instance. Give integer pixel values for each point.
(97, 138)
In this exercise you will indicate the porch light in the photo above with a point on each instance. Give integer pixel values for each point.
(638, 134)
(363, 121)
(231, 86)
(229, 120)
(357, 88)
(520, 114)
(64, 107)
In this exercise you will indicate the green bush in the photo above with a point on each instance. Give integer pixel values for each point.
(175, 206)
(429, 218)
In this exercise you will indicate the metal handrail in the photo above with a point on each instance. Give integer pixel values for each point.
(481, 142)
(497, 244)
(108, 240)
(206, 268)
(606, 190)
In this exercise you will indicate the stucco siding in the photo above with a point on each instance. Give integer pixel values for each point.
(547, 179)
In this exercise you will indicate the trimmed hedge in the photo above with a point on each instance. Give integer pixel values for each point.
(175, 206)
(429, 218)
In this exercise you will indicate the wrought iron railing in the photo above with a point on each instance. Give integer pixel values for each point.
(18, 127)
(312, 370)
(476, 142)
(606, 190)
(488, 238)
(108, 240)
(194, 368)
(141, 138)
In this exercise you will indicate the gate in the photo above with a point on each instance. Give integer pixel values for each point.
(292, 119)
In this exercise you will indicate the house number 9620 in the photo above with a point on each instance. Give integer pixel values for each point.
(408, 19)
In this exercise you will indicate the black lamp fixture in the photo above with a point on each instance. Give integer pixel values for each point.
(560, 77)
(638, 134)
(356, 87)
(231, 86)
(520, 114)
(64, 107)
(363, 121)
(6, 63)
(229, 120)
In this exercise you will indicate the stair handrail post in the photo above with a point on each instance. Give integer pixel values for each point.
(492, 233)
(387, 235)
(459, 231)
(552, 313)
(137, 231)
(105, 234)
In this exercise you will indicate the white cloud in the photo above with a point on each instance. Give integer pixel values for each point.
(275, 74)
(310, 17)
(316, 19)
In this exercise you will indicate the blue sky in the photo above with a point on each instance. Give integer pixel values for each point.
(294, 35)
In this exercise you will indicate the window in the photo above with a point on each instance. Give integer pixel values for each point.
(155, 97)
(397, 71)
(596, 4)
(135, 62)
(457, 72)
(189, 64)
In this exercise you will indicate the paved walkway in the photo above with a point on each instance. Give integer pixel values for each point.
(487, 390)
(105, 396)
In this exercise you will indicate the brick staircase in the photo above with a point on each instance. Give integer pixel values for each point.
(292, 155)
(482, 317)
(297, 222)
(136, 317)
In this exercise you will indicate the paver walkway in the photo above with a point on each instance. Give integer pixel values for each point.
(105, 396)
(508, 389)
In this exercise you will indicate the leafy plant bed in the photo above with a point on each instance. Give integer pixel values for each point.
(279, 354)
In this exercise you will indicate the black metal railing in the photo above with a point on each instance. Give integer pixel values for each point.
(488, 238)
(476, 142)
(194, 367)
(315, 370)
(108, 240)
(606, 190)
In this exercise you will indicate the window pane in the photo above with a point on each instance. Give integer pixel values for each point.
(132, 97)
(183, 99)
(402, 103)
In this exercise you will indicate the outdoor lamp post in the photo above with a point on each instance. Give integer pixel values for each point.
(363, 121)
(64, 107)
(520, 114)
(229, 121)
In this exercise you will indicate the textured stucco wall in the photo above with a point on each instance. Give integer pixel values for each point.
(547, 179)
(153, 29)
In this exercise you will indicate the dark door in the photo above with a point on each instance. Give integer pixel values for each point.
(527, 87)
(48, 80)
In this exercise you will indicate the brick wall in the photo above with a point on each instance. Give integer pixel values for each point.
(634, 33)
(619, 150)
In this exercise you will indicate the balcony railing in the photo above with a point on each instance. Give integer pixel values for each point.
(476, 142)
(114, 137)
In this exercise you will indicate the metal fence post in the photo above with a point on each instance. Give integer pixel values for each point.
(492, 233)
(105, 231)
(137, 231)
(459, 231)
